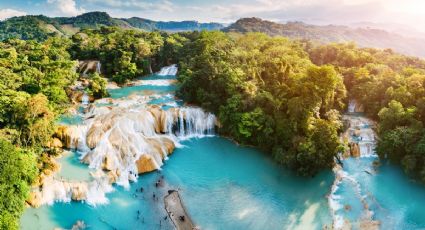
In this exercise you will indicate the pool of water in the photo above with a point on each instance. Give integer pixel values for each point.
(395, 200)
(253, 193)
(226, 186)
(71, 168)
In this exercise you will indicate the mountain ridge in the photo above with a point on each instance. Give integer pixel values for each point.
(364, 37)
(39, 27)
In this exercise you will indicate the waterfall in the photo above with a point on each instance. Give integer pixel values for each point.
(85, 99)
(162, 82)
(168, 70)
(194, 122)
(98, 67)
(93, 192)
(360, 133)
(351, 106)
(125, 142)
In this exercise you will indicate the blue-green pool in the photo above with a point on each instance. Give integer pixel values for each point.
(226, 186)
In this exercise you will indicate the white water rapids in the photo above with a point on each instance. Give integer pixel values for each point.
(359, 132)
(168, 70)
(122, 141)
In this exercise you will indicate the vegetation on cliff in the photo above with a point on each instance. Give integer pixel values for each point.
(33, 80)
(125, 54)
(391, 87)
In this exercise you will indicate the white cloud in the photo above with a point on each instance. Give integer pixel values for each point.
(65, 7)
(164, 5)
(408, 12)
(7, 13)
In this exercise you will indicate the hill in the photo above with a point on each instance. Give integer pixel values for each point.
(171, 26)
(39, 27)
(364, 37)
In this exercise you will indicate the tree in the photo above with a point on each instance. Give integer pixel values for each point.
(17, 171)
(98, 86)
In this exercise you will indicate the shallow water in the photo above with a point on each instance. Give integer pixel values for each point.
(71, 168)
(225, 186)
(216, 192)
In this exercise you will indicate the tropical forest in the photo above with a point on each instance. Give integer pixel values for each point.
(132, 123)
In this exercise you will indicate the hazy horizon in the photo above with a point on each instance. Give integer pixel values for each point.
(319, 12)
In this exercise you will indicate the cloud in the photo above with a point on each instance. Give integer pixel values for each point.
(141, 5)
(65, 7)
(7, 13)
(310, 11)
(321, 11)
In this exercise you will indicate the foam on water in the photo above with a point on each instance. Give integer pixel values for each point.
(168, 71)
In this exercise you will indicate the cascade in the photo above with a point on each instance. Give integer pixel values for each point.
(54, 190)
(120, 143)
(85, 99)
(98, 67)
(361, 133)
(351, 106)
(168, 70)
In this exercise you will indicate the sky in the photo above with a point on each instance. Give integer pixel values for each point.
(404, 12)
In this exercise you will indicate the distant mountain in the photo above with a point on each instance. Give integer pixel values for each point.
(172, 26)
(406, 30)
(365, 37)
(39, 27)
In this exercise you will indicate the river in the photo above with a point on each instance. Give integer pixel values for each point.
(226, 186)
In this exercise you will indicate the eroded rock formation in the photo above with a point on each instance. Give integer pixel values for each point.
(120, 143)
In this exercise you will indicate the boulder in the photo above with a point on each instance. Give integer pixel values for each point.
(157, 113)
(55, 143)
(63, 134)
(354, 150)
(79, 191)
(80, 225)
(145, 164)
(75, 95)
(108, 163)
(168, 144)
(34, 199)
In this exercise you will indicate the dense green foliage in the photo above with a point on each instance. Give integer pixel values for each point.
(41, 27)
(97, 86)
(27, 28)
(267, 93)
(283, 96)
(17, 171)
(33, 80)
(126, 54)
(391, 87)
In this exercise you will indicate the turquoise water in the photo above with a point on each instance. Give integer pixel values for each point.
(226, 186)
(219, 183)
(396, 201)
(145, 89)
(72, 169)
(70, 119)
